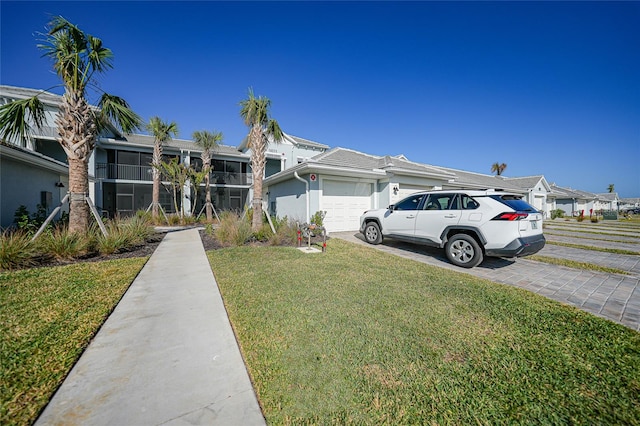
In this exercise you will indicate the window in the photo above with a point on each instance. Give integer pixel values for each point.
(468, 203)
(410, 203)
(442, 202)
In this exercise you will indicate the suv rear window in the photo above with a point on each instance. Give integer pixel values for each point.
(515, 202)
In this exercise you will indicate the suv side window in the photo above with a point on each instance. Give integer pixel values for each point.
(410, 203)
(442, 202)
(468, 203)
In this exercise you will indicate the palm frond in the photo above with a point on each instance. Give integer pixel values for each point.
(16, 118)
(273, 129)
(116, 111)
(162, 130)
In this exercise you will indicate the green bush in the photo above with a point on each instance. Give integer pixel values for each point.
(318, 218)
(63, 245)
(286, 233)
(233, 230)
(264, 233)
(557, 213)
(16, 250)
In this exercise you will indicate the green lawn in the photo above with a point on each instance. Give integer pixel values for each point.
(47, 318)
(358, 336)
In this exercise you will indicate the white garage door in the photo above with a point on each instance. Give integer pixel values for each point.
(344, 203)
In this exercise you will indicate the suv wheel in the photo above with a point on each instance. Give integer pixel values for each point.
(463, 250)
(372, 233)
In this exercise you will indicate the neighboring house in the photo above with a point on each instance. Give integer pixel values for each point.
(538, 192)
(573, 202)
(343, 183)
(629, 203)
(120, 180)
(607, 201)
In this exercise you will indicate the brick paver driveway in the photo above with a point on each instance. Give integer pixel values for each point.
(608, 295)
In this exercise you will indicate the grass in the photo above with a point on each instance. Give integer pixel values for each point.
(577, 265)
(355, 336)
(593, 248)
(47, 318)
(582, 237)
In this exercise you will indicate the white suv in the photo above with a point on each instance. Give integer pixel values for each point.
(469, 224)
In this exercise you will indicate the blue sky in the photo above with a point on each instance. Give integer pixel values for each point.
(548, 88)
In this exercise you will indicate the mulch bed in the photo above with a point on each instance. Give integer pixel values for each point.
(208, 241)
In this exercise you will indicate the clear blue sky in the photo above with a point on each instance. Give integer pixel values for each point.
(545, 87)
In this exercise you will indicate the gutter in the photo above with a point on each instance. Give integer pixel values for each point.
(306, 186)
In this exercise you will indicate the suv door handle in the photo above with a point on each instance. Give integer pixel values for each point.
(411, 216)
(451, 216)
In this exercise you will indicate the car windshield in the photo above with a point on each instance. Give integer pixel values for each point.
(515, 202)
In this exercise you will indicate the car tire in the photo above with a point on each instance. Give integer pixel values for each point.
(372, 233)
(463, 250)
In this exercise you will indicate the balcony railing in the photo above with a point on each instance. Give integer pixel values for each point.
(145, 173)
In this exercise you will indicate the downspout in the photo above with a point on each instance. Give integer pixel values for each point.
(306, 185)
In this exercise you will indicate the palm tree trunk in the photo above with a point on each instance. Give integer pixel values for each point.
(258, 161)
(155, 194)
(77, 130)
(207, 182)
(78, 188)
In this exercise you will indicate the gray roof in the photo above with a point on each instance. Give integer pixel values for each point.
(608, 196)
(466, 179)
(342, 157)
(526, 182)
(307, 142)
(24, 93)
(561, 192)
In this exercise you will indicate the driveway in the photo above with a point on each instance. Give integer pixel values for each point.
(612, 296)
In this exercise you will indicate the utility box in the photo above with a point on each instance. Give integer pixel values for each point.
(610, 215)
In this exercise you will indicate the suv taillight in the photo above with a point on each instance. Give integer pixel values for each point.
(511, 216)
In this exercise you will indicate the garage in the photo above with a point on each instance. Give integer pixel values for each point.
(344, 202)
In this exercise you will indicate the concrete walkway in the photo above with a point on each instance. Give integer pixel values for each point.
(166, 356)
(612, 296)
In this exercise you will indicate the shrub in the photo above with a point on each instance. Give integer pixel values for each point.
(63, 245)
(173, 219)
(264, 233)
(318, 218)
(286, 233)
(16, 250)
(233, 230)
(580, 218)
(557, 213)
(594, 219)
(116, 239)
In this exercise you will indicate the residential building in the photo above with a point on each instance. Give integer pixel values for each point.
(35, 172)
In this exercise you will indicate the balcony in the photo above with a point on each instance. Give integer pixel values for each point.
(145, 173)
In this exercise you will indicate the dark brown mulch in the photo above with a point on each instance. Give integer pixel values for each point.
(143, 250)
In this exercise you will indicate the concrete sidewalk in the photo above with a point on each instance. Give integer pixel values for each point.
(166, 356)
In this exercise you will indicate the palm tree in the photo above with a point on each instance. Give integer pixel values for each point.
(161, 132)
(498, 168)
(77, 59)
(611, 188)
(255, 113)
(209, 142)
